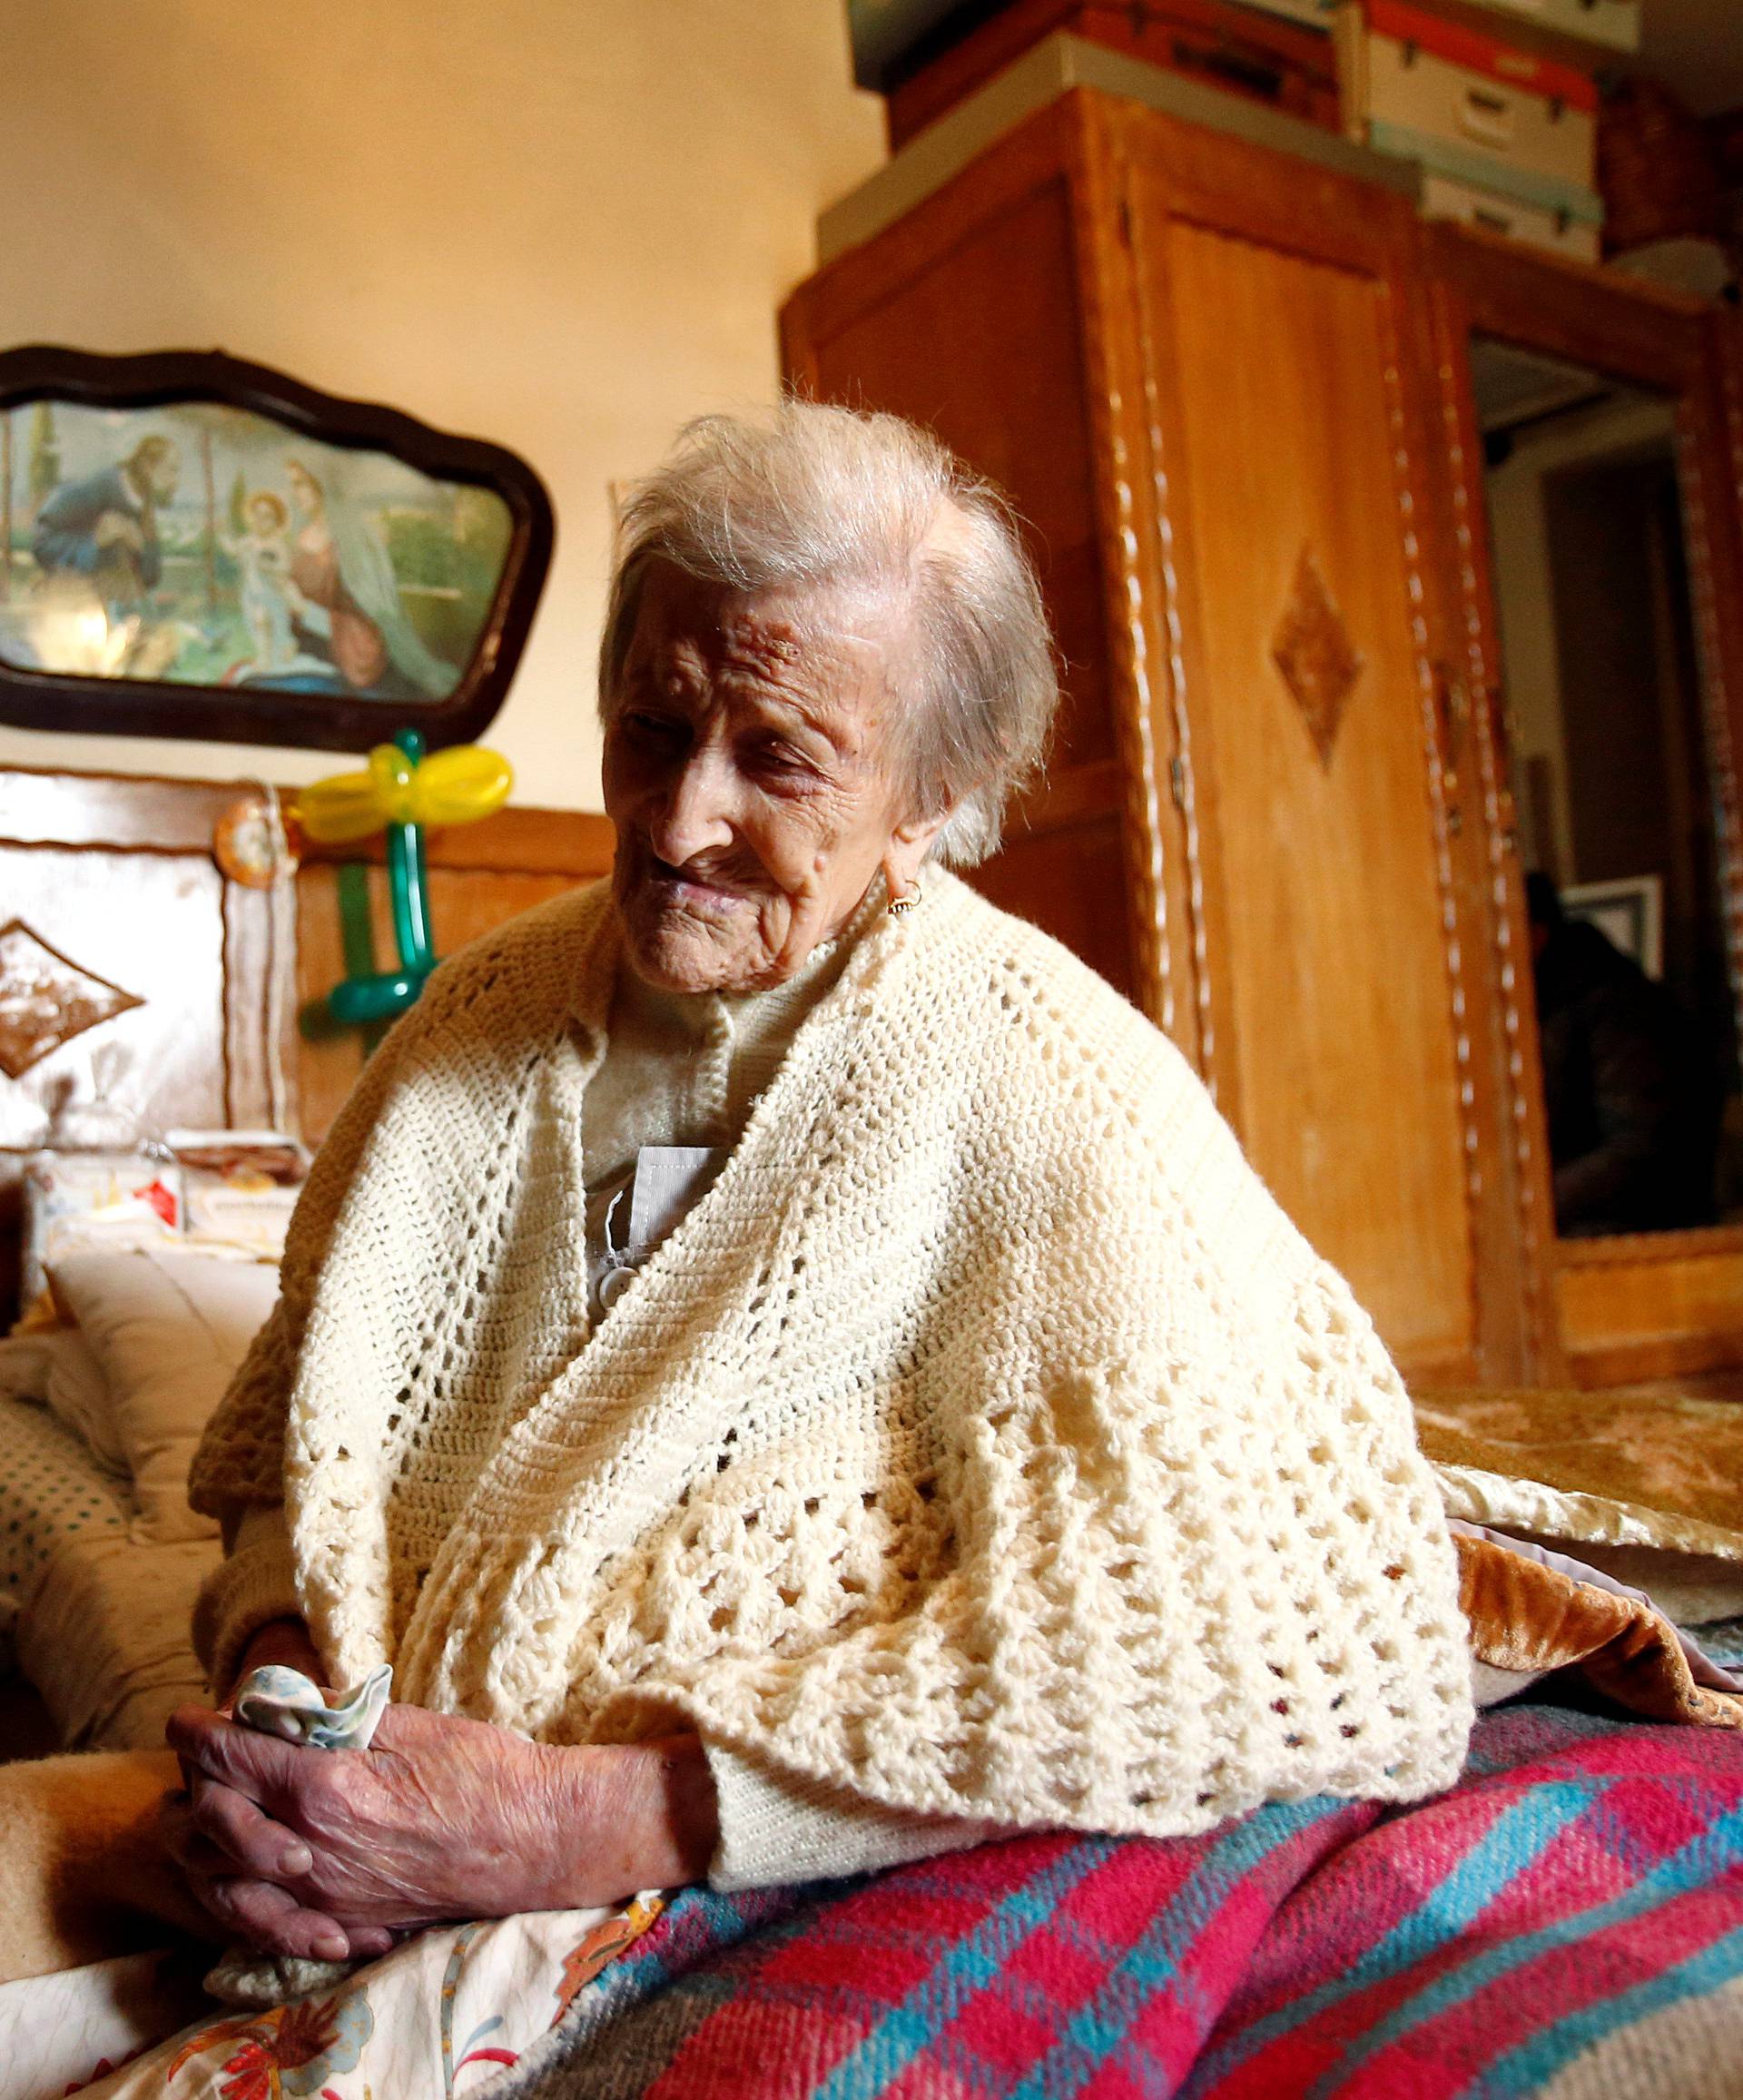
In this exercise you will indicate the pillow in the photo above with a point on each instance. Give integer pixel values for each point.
(232, 1190)
(86, 1201)
(24, 1369)
(168, 1331)
(57, 1370)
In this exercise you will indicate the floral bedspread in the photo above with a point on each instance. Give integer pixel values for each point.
(440, 2017)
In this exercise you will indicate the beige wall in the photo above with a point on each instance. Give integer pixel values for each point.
(563, 224)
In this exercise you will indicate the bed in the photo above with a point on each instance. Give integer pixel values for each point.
(99, 1623)
(101, 1401)
(148, 987)
(1568, 1919)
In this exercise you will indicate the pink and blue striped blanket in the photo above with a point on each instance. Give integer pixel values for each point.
(1567, 1921)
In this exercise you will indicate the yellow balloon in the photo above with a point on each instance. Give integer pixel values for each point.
(457, 787)
(393, 773)
(460, 785)
(340, 808)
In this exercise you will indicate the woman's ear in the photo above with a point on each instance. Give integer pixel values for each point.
(909, 845)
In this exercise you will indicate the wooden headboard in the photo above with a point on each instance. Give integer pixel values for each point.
(479, 876)
(139, 981)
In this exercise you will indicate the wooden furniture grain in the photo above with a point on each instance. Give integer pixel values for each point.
(479, 875)
(1644, 1305)
(1225, 388)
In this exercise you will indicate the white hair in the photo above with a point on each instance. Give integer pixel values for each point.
(810, 494)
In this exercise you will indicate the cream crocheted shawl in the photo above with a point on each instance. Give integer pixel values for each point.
(985, 1443)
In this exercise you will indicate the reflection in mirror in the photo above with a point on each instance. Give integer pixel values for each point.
(1636, 1004)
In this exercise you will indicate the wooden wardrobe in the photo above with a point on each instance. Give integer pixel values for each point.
(1227, 388)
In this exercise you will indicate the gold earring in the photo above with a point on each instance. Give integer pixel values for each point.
(907, 901)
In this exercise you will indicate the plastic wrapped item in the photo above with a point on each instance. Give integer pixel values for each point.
(95, 1202)
(220, 1191)
(240, 1187)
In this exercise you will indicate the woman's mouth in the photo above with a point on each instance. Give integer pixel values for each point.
(693, 888)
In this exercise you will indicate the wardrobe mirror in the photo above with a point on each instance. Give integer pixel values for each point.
(1614, 788)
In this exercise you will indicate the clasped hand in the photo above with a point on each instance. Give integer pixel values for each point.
(331, 1854)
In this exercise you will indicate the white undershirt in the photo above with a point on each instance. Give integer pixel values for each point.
(683, 1070)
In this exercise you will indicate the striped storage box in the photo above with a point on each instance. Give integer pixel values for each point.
(1443, 197)
(1407, 76)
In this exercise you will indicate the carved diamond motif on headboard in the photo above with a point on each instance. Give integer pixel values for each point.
(47, 998)
(1313, 649)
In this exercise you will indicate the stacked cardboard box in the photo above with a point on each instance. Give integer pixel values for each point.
(1614, 24)
(1278, 55)
(1316, 13)
(1506, 137)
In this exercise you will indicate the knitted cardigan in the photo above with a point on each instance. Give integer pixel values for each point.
(985, 1443)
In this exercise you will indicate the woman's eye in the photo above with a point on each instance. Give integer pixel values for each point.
(653, 728)
(776, 757)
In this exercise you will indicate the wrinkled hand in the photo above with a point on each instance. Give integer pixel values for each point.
(330, 1853)
(284, 1642)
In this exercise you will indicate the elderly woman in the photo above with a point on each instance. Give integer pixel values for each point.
(787, 1365)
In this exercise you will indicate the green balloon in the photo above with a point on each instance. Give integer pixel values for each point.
(360, 999)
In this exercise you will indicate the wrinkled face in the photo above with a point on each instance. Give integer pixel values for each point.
(746, 771)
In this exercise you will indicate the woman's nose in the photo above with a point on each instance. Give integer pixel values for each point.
(697, 810)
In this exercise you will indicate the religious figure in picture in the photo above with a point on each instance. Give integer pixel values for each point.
(103, 527)
(344, 599)
(262, 554)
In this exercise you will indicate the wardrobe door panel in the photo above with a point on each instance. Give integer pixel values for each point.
(1308, 685)
(965, 318)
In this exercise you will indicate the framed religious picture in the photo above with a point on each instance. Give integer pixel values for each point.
(192, 546)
